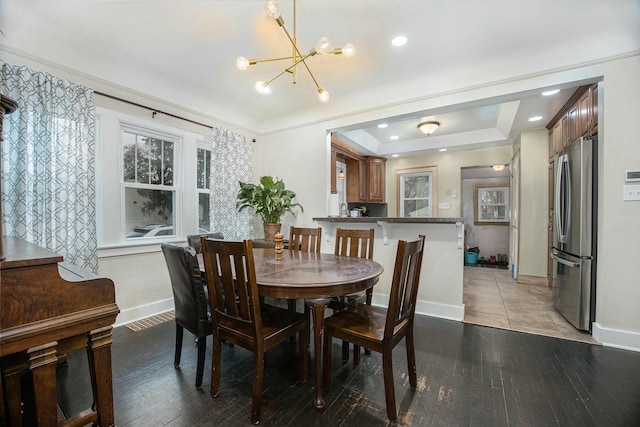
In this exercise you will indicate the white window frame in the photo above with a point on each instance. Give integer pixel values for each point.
(177, 188)
(401, 174)
(478, 205)
(209, 148)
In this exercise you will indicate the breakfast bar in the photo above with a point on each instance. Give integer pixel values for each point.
(441, 279)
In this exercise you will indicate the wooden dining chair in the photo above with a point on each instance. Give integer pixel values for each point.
(380, 329)
(239, 318)
(190, 301)
(305, 239)
(193, 240)
(357, 243)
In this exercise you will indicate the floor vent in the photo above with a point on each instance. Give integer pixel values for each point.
(151, 321)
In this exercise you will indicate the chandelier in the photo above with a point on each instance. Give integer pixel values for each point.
(428, 127)
(323, 47)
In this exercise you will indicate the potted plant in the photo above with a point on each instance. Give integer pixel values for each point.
(270, 199)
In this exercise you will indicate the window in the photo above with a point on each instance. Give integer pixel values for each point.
(204, 189)
(491, 204)
(148, 184)
(416, 192)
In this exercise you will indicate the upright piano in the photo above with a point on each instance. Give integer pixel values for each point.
(49, 308)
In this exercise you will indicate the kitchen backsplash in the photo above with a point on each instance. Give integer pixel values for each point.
(372, 209)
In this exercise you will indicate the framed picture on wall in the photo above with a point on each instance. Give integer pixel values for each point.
(491, 204)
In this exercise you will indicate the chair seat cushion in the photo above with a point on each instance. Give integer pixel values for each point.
(276, 322)
(359, 320)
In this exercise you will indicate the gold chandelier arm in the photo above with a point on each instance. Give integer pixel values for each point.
(313, 52)
(290, 69)
(258, 61)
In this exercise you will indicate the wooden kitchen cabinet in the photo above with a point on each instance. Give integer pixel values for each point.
(376, 179)
(588, 112)
(365, 180)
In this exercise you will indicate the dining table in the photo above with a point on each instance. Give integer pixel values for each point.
(315, 278)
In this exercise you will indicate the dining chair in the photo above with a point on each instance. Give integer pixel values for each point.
(190, 301)
(357, 243)
(239, 318)
(193, 240)
(378, 328)
(305, 239)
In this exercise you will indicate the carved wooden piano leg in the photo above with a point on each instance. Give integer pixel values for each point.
(42, 364)
(99, 352)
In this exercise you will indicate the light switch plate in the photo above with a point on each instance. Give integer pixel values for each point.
(444, 205)
(631, 192)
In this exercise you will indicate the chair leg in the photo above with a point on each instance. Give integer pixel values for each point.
(389, 389)
(369, 298)
(356, 354)
(178, 352)
(411, 357)
(202, 349)
(215, 365)
(326, 361)
(258, 380)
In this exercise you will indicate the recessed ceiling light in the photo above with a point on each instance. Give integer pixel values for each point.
(382, 125)
(395, 155)
(399, 41)
(535, 118)
(442, 149)
(550, 92)
(394, 137)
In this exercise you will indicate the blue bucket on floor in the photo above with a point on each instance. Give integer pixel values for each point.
(471, 258)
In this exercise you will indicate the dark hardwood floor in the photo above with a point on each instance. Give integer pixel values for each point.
(467, 375)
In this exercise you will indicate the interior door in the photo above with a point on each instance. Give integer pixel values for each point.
(514, 221)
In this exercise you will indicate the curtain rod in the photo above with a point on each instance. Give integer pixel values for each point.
(153, 110)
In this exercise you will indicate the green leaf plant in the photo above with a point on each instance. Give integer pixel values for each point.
(270, 199)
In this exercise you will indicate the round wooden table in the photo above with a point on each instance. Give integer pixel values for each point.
(314, 277)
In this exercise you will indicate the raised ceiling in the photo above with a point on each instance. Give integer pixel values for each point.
(183, 53)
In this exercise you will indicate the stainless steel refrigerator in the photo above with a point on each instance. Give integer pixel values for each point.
(574, 238)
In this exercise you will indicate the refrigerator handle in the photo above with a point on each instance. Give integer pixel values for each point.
(561, 198)
(567, 221)
(564, 261)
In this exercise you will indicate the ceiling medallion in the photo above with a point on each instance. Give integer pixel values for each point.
(323, 47)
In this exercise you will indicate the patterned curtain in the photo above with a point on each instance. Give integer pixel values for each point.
(232, 162)
(48, 169)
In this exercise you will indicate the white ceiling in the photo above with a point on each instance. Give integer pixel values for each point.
(183, 53)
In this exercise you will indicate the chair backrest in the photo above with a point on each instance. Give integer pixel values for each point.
(358, 243)
(188, 289)
(404, 287)
(233, 291)
(193, 240)
(305, 239)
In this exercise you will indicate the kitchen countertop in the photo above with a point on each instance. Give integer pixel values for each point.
(365, 219)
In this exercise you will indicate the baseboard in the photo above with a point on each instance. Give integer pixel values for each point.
(444, 311)
(532, 280)
(133, 314)
(625, 340)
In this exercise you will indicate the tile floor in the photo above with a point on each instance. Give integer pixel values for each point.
(493, 298)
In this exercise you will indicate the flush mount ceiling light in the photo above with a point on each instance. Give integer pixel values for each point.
(428, 127)
(323, 47)
(498, 168)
